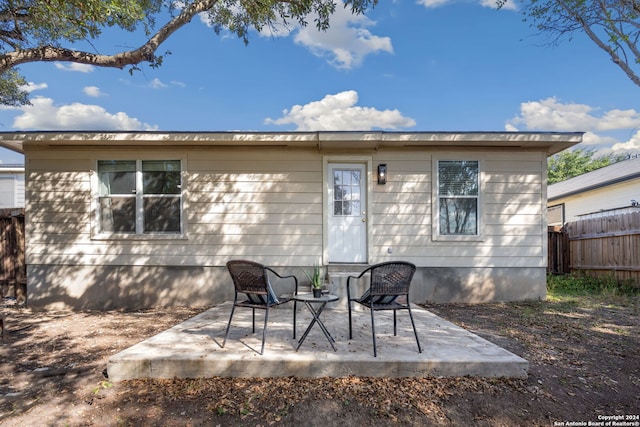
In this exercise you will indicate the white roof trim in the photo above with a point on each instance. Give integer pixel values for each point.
(11, 169)
(551, 142)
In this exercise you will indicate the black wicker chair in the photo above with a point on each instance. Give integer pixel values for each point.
(252, 279)
(388, 290)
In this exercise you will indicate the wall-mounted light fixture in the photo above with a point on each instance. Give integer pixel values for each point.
(382, 173)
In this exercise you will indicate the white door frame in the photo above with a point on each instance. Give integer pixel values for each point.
(367, 161)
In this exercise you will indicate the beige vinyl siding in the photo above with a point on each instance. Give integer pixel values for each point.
(264, 205)
(400, 217)
(512, 210)
(59, 204)
(611, 197)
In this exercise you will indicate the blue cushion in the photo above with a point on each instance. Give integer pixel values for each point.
(378, 299)
(259, 299)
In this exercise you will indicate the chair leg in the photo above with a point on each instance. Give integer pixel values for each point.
(373, 333)
(295, 310)
(415, 332)
(395, 331)
(233, 307)
(254, 320)
(349, 306)
(264, 330)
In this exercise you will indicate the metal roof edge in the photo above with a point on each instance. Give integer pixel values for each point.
(595, 186)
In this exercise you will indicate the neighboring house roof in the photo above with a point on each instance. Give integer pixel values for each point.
(11, 168)
(550, 142)
(618, 172)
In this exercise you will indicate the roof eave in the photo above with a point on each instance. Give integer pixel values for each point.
(12, 145)
(594, 187)
(549, 142)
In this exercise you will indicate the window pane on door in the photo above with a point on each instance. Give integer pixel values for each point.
(346, 192)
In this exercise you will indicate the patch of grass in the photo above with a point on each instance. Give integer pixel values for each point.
(582, 289)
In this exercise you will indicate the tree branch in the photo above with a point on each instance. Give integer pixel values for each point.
(146, 52)
(624, 66)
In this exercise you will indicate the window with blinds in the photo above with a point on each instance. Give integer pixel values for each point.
(458, 193)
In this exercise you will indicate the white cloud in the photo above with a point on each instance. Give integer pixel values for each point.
(552, 115)
(508, 5)
(157, 84)
(44, 115)
(632, 144)
(434, 3)
(339, 112)
(347, 41)
(30, 87)
(591, 138)
(619, 119)
(92, 91)
(344, 44)
(73, 66)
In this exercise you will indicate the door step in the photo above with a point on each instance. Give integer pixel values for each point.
(337, 275)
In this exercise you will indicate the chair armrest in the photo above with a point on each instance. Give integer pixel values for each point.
(356, 277)
(349, 284)
(295, 279)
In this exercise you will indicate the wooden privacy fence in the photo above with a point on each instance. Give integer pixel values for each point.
(605, 245)
(13, 273)
(558, 251)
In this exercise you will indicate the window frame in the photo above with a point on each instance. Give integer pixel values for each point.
(436, 235)
(139, 234)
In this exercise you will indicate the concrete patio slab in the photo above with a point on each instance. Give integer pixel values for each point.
(193, 349)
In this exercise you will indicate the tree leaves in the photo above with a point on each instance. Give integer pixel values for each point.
(36, 31)
(571, 163)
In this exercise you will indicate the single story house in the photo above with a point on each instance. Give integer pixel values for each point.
(611, 190)
(11, 186)
(142, 219)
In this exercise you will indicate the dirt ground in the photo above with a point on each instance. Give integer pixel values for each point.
(584, 368)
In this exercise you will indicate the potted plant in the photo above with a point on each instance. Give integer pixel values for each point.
(316, 280)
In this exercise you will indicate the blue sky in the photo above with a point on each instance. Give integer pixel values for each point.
(428, 65)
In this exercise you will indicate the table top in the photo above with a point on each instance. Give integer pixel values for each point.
(308, 297)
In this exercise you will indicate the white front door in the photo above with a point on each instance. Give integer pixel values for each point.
(347, 213)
